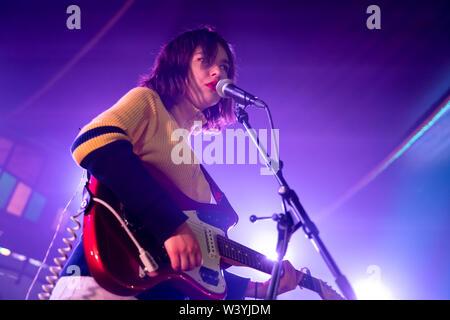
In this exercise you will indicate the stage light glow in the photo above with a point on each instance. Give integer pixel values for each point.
(370, 289)
(18, 256)
(5, 251)
(272, 256)
(267, 246)
(263, 246)
(35, 262)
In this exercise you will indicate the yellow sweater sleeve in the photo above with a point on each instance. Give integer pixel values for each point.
(127, 120)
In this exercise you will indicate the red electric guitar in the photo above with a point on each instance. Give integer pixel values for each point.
(126, 262)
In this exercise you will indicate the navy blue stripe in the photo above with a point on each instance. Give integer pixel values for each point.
(95, 133)
(116, 165)
(118, 146)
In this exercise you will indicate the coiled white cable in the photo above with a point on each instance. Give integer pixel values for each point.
(63, 251)
(147, 260)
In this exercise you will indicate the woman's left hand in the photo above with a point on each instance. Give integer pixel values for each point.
(290, 279)
(288, 282)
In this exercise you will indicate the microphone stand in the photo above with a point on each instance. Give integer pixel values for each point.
(290, 221)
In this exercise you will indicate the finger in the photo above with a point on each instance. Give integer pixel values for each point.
(287, 269)
(174, 260)
(293, 272)
(199, 258)
(185, 264)
(193, 260)
(299, 275)
(288, 265)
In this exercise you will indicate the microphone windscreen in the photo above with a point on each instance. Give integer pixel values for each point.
(221, 86)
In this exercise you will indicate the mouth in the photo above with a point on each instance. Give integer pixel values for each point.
(212, 85)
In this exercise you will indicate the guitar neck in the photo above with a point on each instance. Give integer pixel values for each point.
(238, 254)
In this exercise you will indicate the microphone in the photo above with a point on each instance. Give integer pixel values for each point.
(227, 89)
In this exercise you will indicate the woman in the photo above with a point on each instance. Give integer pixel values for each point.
(126, 144)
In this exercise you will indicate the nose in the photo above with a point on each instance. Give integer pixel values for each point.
(217, 72)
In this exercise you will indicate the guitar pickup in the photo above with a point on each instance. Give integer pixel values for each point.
(209, 237)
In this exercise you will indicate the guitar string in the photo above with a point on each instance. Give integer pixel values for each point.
(240, 257)
(309, 281)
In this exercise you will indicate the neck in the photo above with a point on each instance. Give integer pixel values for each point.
(185, 113)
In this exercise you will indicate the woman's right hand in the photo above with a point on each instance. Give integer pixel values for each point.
(183, 249)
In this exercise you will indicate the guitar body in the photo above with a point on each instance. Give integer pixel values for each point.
(114, 262)
(111, 248)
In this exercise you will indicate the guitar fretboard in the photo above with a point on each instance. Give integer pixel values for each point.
(253, 259)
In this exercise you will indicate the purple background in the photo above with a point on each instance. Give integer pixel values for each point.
(343, 97)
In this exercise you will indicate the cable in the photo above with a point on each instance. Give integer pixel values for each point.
(58, 261)
(269, 115)
(147, 260)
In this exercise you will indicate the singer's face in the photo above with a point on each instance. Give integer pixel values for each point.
(203, 77)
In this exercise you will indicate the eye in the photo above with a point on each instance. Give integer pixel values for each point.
(225, 67)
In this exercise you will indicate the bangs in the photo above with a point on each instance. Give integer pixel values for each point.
(210, 49)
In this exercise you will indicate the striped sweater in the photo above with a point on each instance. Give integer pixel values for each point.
(140, 123)
(119, 146)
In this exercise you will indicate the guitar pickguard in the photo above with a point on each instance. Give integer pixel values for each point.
(209, 275)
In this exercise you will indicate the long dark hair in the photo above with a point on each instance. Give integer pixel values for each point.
(171, 67)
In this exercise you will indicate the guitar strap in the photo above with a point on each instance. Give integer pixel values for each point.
(219, 196)
(222, 212)
(210, 212)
